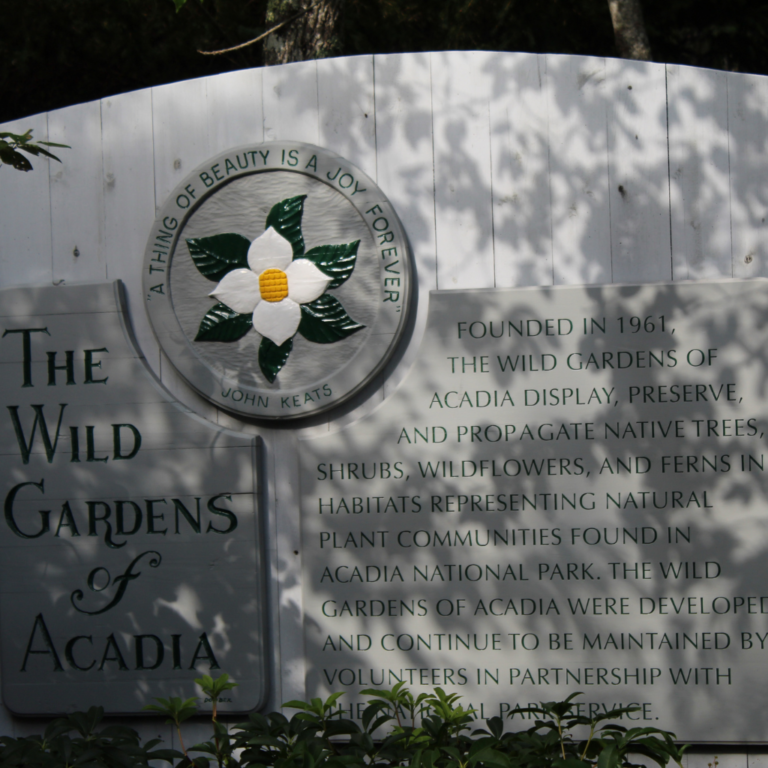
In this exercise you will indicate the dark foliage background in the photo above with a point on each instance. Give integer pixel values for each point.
(59, 52)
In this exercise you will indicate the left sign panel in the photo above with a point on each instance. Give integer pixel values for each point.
(131, 553)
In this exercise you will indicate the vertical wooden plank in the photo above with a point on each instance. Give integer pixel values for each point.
(461, 89)
(748, 164)
(235, 115)
(181, 142)
(362, 103)
(77, 195)
(290, 102)
(638, 171)
(290, 109)
(406, 173)
(25, 250)
(282, 541)
(346, 122)
(291, 112)
(192, 121)
(285, 559)
(581, 233)
(699, 178)
(522, 215)
(129, 201)
(180, 127)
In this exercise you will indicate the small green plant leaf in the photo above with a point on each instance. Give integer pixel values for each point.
(325, 320)
(336, 261)
(223, 324)
(296, 704)
(271, 359)
(12, 144)
(310, 739)
(330, 701)
(214, 688)
(38, 150)
(609, 758)
(489, 756)
(175, 709)
(341, 728)
(495, 726)
(285, 218)
(10, 156)
(217, 255)
(370, 715)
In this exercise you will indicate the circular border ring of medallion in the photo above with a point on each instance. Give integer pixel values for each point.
(277, 279)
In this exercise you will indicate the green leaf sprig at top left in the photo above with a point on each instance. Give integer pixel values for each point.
(273, 286)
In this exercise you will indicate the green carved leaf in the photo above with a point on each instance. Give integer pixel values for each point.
(223, 324)
(272, 358)
(325, 321)
(285, 219)
(336, 261)
(216, 255)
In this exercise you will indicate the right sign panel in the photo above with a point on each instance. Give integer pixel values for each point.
(568, 493)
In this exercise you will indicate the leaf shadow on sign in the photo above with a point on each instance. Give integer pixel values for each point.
(397, 505)
(592, 179)
(562, 174)
(133, 566)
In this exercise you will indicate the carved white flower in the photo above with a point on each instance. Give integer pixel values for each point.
(273, 288)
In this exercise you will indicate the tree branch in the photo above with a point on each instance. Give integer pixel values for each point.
(266, 34)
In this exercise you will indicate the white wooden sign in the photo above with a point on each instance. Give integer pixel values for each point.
(130, 547)
(506, 170)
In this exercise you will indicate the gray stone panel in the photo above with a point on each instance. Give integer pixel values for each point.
(567, 493)
(131, 548)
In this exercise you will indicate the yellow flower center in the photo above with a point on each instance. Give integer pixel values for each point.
(273, 285)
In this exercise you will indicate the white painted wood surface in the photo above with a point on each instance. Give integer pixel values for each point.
(346, 119)
(700, 173)
(129, 195)
(579, 178)
(403, 138)
(290, 102)
(520, 167)
(77, 197)
(636, 103)
(506, 169)
(462, 163)
(748, 166)
(25, 249)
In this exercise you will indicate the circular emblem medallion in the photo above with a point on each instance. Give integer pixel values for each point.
(277, 280)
